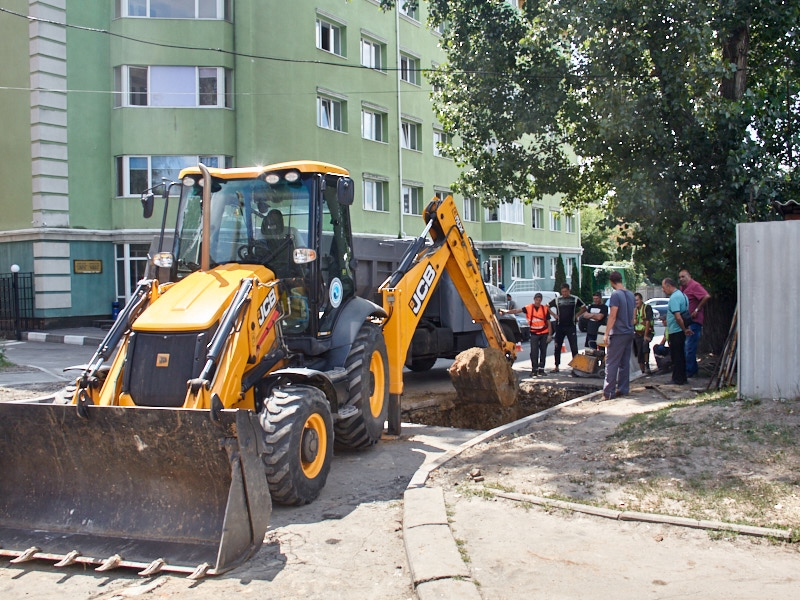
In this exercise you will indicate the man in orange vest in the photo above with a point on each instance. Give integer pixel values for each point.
(541, 331)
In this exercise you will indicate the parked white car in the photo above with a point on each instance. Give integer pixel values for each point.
(659, 306)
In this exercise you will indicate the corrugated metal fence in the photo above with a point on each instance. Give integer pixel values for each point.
(16, 303)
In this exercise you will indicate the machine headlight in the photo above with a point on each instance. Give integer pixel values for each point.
(272, 178)
(302, 256)
(292, 176)
(163, 259)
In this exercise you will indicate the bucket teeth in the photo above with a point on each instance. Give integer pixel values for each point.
(200, 571)
(153, 568)
(68, 560)
(26, 556)
(112, 562)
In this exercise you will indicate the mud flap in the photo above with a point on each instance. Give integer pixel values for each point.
(132, 484)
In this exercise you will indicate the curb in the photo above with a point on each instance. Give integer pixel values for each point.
(55, 338)
(437, 568)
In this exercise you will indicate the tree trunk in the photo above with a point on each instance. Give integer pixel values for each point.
(735, 51)
(717, 324)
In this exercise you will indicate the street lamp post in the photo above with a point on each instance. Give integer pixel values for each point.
(15, 295)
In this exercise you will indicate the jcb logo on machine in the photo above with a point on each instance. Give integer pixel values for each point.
(266, 306)
(423, 289)
(460, 225)
(162, 360)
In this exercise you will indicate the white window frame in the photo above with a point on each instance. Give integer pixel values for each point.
(156, 96)
(123, 166)
(374, 195)
(222, 10)
(409, 69)
(408, 11)
(442, 194)
(410, 133)
(568, 262)
(412, 200)
(507, 212)
(556, 223)
(330, 34)
(471, 210)
(371, 54)
(516, 267)
(570, 224)
(127, 262)
(553, 266)
(440, 137)
(537, 267)
(373, 125)
(330, 113)
(537, 217)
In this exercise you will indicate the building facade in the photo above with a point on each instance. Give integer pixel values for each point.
(103, 99)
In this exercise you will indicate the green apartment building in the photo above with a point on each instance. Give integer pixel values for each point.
(103, 98)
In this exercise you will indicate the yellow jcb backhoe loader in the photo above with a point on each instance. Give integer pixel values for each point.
(223, 388)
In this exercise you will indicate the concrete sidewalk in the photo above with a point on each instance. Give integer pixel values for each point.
(77, 336)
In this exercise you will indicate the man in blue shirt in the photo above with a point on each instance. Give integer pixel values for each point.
(618, 339)
(677, 329)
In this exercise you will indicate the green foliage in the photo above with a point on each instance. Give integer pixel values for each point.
(576, 280)
(674, 117)
(561, 274)
(4, 362)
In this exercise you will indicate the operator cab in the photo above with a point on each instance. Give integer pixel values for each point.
(292, 218)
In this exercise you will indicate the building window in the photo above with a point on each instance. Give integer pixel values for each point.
(570, 224)
(537, 266)
(412, 200)
(516, 3)
(131, 265)
(516, 267)
(410, 135)
(407, 10)
(553, 266)
(329, 37)
(442, 194)
(371, 54)
(329, 113)
(506, 212)
(174, 9)
(374, 195)
(555, 220)
(568, 264)
(537, 217)
(470, 209)
(409, 69)
(172, 87)
(373, 125)
(135, 174)
(440, 139)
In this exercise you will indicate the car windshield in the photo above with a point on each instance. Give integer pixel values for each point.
(251, 222)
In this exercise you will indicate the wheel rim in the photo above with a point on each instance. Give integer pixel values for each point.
(377, 384)
(313, 445)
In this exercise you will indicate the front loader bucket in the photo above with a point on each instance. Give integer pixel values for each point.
(167, 489)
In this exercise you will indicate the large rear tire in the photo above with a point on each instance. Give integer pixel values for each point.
(298, 432)
(368, 383)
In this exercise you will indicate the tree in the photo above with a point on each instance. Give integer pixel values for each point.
(676, 117)
(575, 278)
(560, 275)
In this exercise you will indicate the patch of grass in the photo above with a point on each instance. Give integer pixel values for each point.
(469, 491)
(462, 550)
(4, 362)
(722, 534)
(496, 485)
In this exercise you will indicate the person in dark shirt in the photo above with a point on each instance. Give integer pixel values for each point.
(566, 309)
(618, 339)
(596, 315)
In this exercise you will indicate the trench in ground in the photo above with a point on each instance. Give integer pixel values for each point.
(445, 409)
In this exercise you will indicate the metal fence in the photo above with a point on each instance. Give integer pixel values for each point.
(16, 303)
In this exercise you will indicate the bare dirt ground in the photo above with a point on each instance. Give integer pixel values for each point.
(703, 456)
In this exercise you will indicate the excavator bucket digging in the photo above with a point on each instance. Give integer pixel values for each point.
(149, 488)
(484, 375)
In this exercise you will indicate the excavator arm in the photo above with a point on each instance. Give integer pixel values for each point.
(407, 291)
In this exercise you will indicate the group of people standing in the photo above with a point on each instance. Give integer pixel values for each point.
(629, 328)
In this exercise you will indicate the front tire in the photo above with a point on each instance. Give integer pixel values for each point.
(368, 383)
(298, 432)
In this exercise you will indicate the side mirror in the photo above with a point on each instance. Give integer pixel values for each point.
(148, 200)
(345, 191)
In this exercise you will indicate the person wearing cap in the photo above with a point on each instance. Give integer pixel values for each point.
(541, 331)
